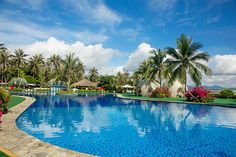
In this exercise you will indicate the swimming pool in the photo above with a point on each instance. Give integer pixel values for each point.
(105, 125)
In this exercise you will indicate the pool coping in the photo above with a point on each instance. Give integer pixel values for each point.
(193, 103)
(22, 144)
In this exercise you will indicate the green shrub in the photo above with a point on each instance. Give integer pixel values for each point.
(31, 79)
(163, 92)
(4, 99)
(199, 94)
(65, 92)
(226, 94)
(17, 89)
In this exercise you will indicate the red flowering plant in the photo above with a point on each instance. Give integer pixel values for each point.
(199, 94)
(162, 92)
(4, 99)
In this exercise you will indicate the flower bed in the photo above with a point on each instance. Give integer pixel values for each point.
(199, 94)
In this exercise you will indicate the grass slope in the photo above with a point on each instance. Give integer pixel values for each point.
(217, 101)
(15, 100)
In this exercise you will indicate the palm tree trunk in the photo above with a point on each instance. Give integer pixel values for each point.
(160, 78)
(18, 72)
(185, 88)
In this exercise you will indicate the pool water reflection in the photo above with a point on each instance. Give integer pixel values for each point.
(108, 126)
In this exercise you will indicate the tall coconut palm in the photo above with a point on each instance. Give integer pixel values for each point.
(70, 66)
(158, 64)
(2, 47)
(36, 63)
(80, 70)
(187, 59)
(93, 74)
(57, 62)
(144, 70)
(19, 59)
(5, 62)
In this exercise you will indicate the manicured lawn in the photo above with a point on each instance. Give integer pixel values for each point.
(3, 154)
(217, 101)
(15, 100)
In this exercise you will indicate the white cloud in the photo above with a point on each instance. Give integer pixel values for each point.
(95, 11)
(220, 80)
(92, 55)
(89, 37)
(223, 64)
(212, 19)
(138, 56)
(29, 4)
(162, 5)
(25, 32)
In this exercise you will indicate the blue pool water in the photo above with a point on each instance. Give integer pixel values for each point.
(105, 125)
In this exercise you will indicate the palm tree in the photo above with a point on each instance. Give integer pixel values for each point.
(2, 47)
(19, 59)
(36, 64)
(70, 66)
(93, 74)
(158, 64)
(144, 70)
(187, 60)
(5, 61)
(57, 62)
(80, 70)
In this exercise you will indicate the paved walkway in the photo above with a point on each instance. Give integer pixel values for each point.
(24, 145)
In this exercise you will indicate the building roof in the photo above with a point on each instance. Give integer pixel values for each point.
(84, 83)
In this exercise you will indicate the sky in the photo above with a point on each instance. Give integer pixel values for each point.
(113, 35)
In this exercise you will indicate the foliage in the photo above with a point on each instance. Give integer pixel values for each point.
(162, 92)
(226, 94)
(31, 79)
(73, 69)
(158, 64)
(93, 75)
(199, 94)
(185, 60)
(17, 89)
(4, 99)
(107, 82)
(18, 82)
(65, 92)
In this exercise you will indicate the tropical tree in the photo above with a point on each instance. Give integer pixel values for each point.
(187, 59)
(5, 62)
(80, 70)
(144, 70)
(56, 61)
(19, 59)
(36, 63)
(70, 67)
(158, 64)
(93, 74)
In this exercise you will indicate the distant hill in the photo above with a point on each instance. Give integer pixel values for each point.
(214, 88)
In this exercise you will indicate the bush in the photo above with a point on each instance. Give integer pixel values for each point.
(65, 92)
(4, 99)
(31, 79)
(226, 94)
(199, 94)
(19, 82)
(17, 89)
(163, 92)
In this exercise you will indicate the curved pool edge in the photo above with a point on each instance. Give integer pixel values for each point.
(23, 144)
(193, 103)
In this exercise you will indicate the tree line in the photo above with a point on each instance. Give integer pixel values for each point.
(163, 67)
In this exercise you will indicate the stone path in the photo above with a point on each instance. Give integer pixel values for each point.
(24, 145)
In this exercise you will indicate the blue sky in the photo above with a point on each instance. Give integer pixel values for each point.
(119, 27)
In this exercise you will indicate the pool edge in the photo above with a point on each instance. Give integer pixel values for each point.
(22, 144)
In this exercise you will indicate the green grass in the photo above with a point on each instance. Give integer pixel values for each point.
(15, 100)
(3, 154)
(217, 101)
